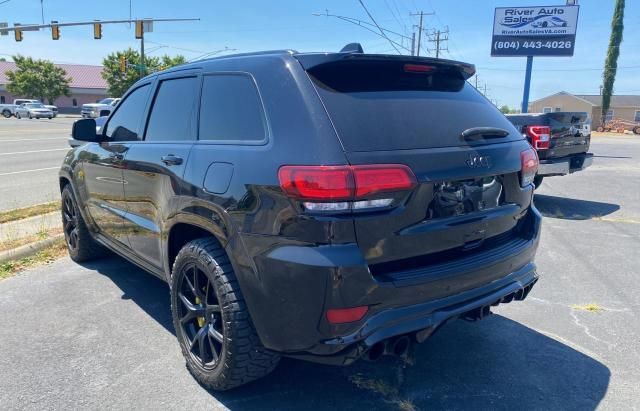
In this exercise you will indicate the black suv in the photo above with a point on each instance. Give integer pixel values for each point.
(321, 206)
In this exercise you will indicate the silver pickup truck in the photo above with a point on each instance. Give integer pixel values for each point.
(8, 110)
(100, 109)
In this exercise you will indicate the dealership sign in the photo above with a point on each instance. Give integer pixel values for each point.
(534, 31)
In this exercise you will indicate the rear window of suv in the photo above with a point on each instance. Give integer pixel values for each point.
(377, 105)
(231, 110)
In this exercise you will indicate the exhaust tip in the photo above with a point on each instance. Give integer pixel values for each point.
(375, 352)
(400, 346)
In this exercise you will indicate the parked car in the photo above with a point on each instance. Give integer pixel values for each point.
(9, 110)
(33, 110)
(319, 206)
(558, 139)
(585, 128)
(54, 109)
(100, 109)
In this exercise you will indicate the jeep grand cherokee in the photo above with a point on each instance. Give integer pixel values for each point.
(321, 206)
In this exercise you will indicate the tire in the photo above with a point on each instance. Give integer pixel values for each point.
(225, 325)
(636, 130)
(30, 116)
(6, 113)
(537, 181)
(81, 246)
(49, 118)
(18, 116)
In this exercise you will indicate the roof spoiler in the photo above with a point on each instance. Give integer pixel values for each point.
(312, 60)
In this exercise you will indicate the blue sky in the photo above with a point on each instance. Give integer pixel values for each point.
(276, 24)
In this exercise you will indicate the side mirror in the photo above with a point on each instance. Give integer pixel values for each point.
(85, 130)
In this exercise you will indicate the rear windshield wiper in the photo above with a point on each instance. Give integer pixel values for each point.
(484, 132)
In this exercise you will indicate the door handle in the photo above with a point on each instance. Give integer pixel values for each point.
(116, 156)
(171, 160)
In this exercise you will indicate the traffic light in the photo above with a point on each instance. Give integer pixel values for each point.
(139, 29)
(97, 31)
(18, 34)
(55, 32)
(123, 64)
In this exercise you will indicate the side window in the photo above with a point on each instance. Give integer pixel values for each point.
(231, 109)
(546, 109)
(172, 114)
(125, 123)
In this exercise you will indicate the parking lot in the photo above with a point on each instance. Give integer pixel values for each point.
(31, 152)
(100, 335)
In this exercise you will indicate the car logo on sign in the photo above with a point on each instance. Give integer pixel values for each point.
(476, 161)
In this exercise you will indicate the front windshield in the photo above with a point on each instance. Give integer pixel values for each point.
(106, 101)
(35, 105)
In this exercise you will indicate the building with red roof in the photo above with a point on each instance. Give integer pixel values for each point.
(86, 86)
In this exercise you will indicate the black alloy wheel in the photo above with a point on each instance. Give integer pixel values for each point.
(200, 317)
(70, 223)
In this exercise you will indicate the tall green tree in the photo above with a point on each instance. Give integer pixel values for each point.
(119, 81)
(611, 62)
(37, 79)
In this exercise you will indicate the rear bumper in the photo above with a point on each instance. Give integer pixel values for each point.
(421, 320)
(293, 285)
(565, 165)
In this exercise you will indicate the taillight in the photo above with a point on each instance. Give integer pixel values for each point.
(529, 166)
(339, 188)
(540, 136)
(346, 315)
(418, 68)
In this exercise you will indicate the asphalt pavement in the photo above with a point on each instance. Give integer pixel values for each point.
(100, 335)
(31, 152)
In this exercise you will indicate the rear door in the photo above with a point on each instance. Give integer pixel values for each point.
(463, 151)
(154, 167)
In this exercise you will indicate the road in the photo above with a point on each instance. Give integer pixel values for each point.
(31, 152)
(100, 335)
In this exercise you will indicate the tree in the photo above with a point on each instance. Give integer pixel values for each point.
(505, 109)
(37, 79)
(119, 82)
(611, 62)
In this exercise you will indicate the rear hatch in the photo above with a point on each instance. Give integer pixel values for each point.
(565, 138)
(465, 155)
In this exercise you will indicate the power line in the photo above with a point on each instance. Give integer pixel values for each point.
(379, 28)
(572, 69)
(364, 25)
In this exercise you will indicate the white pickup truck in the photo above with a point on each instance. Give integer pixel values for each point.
(8, 110)
(100, 109)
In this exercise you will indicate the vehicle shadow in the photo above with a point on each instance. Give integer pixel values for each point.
(494, 363)
(571, 208)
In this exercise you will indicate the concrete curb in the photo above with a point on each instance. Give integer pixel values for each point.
(28, 250)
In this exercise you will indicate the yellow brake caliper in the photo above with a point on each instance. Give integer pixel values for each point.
(200, 319)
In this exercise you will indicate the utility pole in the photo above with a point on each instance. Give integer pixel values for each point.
(476, 76)
(413, 44)
(142, 65)
(421, 14)
(440, 37)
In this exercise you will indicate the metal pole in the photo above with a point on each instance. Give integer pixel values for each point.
(438, 44)
(419, 34)
(413, 43)
(527, 85)
(142, 65)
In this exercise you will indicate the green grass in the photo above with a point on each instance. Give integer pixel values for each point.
(45, 256)
(26, 212)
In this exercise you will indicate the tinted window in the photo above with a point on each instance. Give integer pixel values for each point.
(125, 123)
(231, 109)
(172, 113)
(381, 105)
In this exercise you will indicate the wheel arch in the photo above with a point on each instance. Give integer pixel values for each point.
(187, 227)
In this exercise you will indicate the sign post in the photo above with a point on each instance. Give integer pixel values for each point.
(534, 31)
